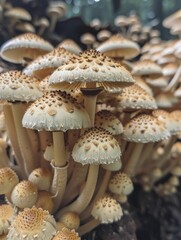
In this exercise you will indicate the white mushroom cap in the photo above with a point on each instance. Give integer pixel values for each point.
(91, 66)
(24, 194)
(103, 35)
(121, 183)
(56, 111)
(145, 128)
(146, 67)
(115, 166)
(66, 234)
(27, 45)
(107, 210)
(87, 38)
(46, 64)
(8, 179)
(42, 178)
(108, 121)
(32, 223)
(96, 146)
(18, 13)
(71, 46)
(7, 213)
(17, 86)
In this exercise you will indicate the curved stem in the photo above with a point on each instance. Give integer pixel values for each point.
(87, 227)
(174, 80)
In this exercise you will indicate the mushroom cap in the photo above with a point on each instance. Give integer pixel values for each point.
(18, 13)
(91, 66)
(56, 111)
(166, 99)
(145, 128)
(46, 64)
(103, 35)
(172, 19)
(42, 178)
(17, 86)
(107, 210)
(118, 46)
(176, 116)
(45, 201)
(70, 219)
(66, 234)
(8, 179)
(96, 146)
(32, 223)
(24, 194)
(7, 213)
(115, 166)
(134, 97)
(158, 82)
(25, 27)
(71, 46)
(108, 121)
(170, 69)
(26, 45)
(146, 67)
(87, 38)
(176, 150)
(121, 183)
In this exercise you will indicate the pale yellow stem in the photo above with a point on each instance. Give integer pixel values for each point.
(87, 227)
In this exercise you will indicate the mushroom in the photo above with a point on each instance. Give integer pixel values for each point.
(32, 223)
(45, 201)
(42, 25)
(71, 220)
(66, 233)
(103, 35)
(71, 46)
(88, 39)
(7, 213)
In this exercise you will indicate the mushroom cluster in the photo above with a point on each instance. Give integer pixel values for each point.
(82, 127)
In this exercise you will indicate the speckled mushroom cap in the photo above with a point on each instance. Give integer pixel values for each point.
(41, 177)
(107, 210)
(146, 67)
(91, 67)
(56, 111)
(66, 234)
(32, 223)
(7, 213)
(16, 86)
(135, 97)
(24, 194)
(96, 146)
(46, 64)
(70, 46)
(121, 183)
(8, 179)
(70, 219)
(176, 116)
(24, 46)
(145, 128)
(108, 121)
(119, 47)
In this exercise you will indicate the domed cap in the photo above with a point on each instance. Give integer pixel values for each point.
(32, 223)
(119, 47)
(145, 128)
(66, 234)
(46, 64)
(17, 86)
(135, 97)
(108, 121)
(146, 67)
(45, 201)
(107, 210)
(7, 213)
(18, 13)
(176, 150)
(41, 177)
(172, 19)
(24, 46)
(96, 146)
(56, 111)
(91, 66)
(24, 194)
(70, 219)
(176, 116)
(121, 183)
(87, 38)
(8, 179)
(71, 46)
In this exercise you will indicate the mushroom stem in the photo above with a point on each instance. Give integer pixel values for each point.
(59, 149)
(90, 106)
(12, 133)
(74, 185)
(23, 139)
(45, 139)
(132, 162)
(4, 160)
(87, 227)
(85, 196)
(174, 80)
(102, 189)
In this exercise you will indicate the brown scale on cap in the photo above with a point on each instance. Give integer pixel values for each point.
(107, 210)
(135, 97)
(17, 86)
(66, 234)
(24, 194)
(108, 121)
(32, 223)
(145, 128)
(91, 66)
(56, 111)
(7, 214)
(96, 146)
(8, 179)
(121, 183)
